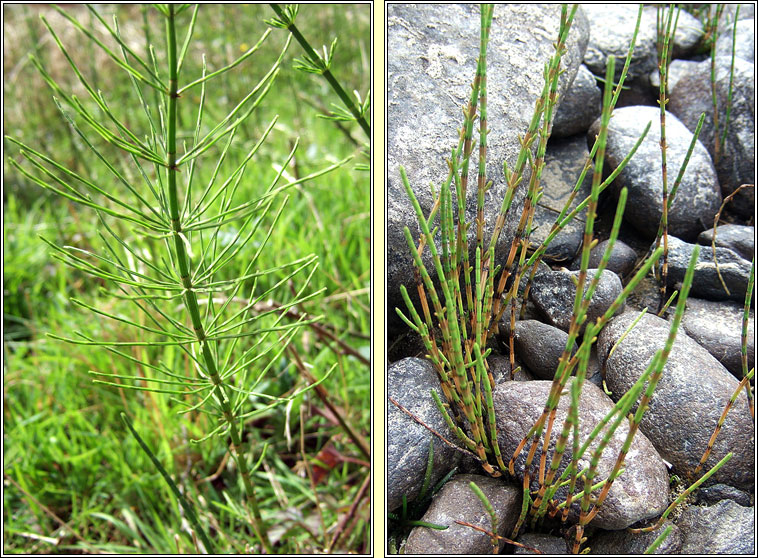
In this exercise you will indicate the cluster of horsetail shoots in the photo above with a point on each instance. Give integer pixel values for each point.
(466, 316)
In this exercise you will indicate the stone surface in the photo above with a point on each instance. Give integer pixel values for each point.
(553, 294)
(693, 96)
(580, 106)
(564, 161)
(677, 69)
(624, 543)
(432, 62)
(717, 326)
(457, 501)
(706, 284)
(738, 238)
(699, 196)
(724, 528)
(621, 261)
(611, 30)
(710, 495)
(640, 493)
(689, 398)
(547, 544)
(409, 382)
(540, 347)
(744, 45)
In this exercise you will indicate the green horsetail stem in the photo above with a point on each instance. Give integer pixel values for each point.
(743, 339)
(490, 511)
(659, 540)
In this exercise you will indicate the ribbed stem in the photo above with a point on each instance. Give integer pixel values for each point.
(190, 297)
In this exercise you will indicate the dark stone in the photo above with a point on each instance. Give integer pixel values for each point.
(624, 543)
(409, 382)
(540, 347)
(693, 96)
(457, 501)
(688, 401)
(433, 50)
(553, 293)
(621, 261)
(710, 495)
(698, 198)
(548, 544)
(564, 160)
(706, 284)
(738, 238)
(580, 107)
(725, 528)
(717, 326)
(640, 493)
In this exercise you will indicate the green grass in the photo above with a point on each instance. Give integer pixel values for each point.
(74, 475)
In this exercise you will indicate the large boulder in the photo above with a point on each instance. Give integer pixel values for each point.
(432, 62)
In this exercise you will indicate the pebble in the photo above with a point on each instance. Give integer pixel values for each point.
(717, 326)
(620, 262)
(724, 528)
(640, 493)
(692, 96)
(698, 198)
(409, 382)
(734, 270)
(547, 544)
(553, 293)
(580, 107)
(738, 238)
(564, 161)
(457, 501)
(625, 543)
(690, 396)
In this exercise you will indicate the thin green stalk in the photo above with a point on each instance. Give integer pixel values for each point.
(490, 511)
(186, 506)
(288, 22)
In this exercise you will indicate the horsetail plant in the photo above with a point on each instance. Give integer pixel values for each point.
(169, 239)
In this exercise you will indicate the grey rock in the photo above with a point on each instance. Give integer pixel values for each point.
(717, 326)
(744, 45)
(500, 366)
(734, 270)
(553, 293)
(457, 501)
(677, 69)
(580, 107)
(710, 495)
(611, 30)
(540, 347)
(699, 196)
(624, 543)
(640, 493)
(747, 11)
(725, 528)
(689, 398)
(693, 96)
(548, 544)
(738, 238)
(431, 64)
(564, 161)
(409, 382)
(621, 261)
